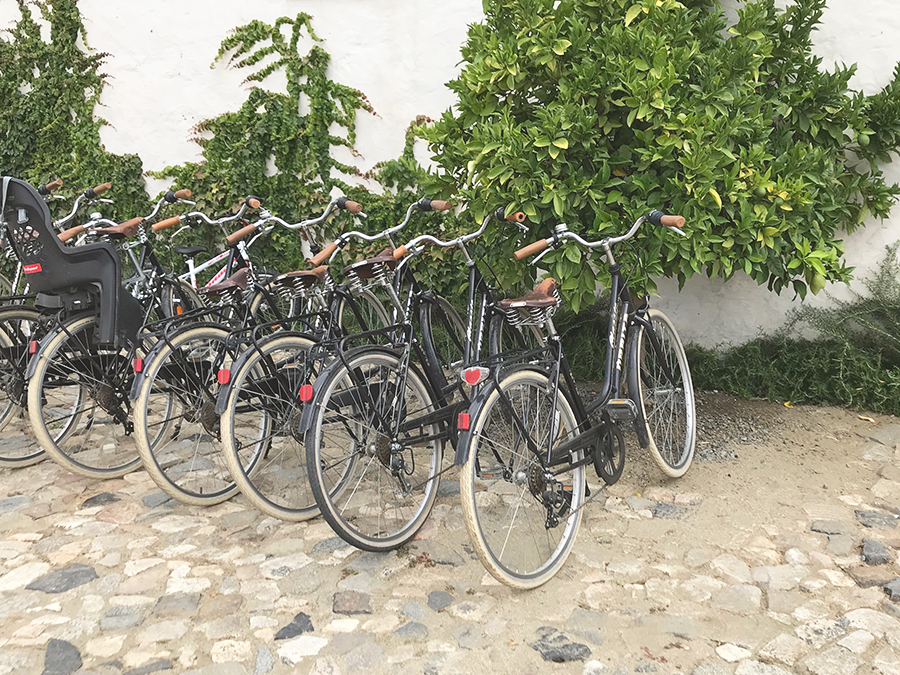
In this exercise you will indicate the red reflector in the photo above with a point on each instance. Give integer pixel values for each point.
(32, 347)
(306, 393)
(32, 269)
(462, 421)
(138, 365)
(224, 376)
(472, 376)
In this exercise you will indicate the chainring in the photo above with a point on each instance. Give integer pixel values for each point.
(609, 453)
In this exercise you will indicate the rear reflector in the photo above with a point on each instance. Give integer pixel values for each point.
(224, 376)
(138, 365)
(306, 393)
(462, 421)
(32, 347)
(473, 376)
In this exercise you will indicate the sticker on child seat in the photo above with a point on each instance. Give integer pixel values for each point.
(32, 269)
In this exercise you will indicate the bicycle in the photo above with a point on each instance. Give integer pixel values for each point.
(376, 419)
(189, 365)
(80, 375)
(269, 383)
(528, 436)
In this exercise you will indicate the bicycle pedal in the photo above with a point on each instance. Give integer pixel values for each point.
(621, 409)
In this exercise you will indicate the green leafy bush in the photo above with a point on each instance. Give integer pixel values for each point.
(592, 112)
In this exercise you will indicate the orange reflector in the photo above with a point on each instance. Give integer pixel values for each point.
(32, 347)
(224, 376)
(138, 365)
(462, 421)
(306, 393)
(179, 309)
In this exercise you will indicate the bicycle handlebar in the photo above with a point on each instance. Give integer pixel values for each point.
(240, 234)
(168, 222)
(48, 189)
(674, 223)
(413, 246)
(71, 232)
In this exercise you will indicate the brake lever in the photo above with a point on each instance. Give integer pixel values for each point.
(542, 254)
(676, 229)
(187, 201)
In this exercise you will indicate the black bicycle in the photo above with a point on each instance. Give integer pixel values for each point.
(528, 436)
(378, 417)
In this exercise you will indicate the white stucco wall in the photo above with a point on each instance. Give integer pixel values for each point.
(401, 54)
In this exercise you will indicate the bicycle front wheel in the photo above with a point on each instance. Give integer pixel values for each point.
(372, 456)
(665, 394)
(522, 516)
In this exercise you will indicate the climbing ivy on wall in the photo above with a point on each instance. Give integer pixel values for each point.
(48, 94)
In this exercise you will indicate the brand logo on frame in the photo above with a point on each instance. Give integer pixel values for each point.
(31, 269)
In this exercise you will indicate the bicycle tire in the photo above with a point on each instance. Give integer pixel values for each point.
(61, 364)
(19, 325)
(395, 495)
(178, 390)
(443, 338)
(667, 409)
(503, 337)
(362, 312)
(268, 465)
(180, 297)
(498, 466)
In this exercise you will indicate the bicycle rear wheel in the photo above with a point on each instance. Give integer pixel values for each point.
(178, 395)
(373, 467)
(19, 326)
(522, 517)
(261, 442)
(78, 402)
(661, 382)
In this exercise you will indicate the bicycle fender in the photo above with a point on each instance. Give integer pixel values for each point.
(306, 418)
(42, 344)
(631, 381)
(154, 352)
(478, 402)
(224, 390)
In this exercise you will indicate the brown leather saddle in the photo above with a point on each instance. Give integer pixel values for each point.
(541, 297)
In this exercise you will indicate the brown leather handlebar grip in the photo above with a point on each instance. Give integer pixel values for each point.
(440, 205)
(240, 234)
(531, 249)
(253, 203)
(100, 189)
(183, 194)
(71, 232)
(168, 222)
(517, 217)
(353, 207)
(672, 221)
(54, 185)
(323, 255)
(400, 252)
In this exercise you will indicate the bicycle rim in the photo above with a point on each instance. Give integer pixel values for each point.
(502, 483)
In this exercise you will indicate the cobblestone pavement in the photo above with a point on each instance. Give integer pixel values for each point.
(741, 567)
